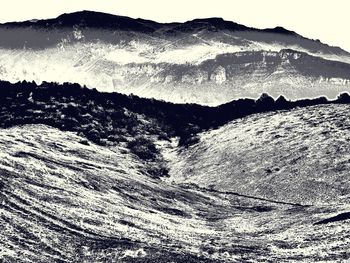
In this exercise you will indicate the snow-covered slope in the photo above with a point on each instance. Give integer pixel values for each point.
(62, 200)
(206, 61)
(297, 156)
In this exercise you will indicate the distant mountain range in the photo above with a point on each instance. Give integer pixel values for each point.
(207, 61)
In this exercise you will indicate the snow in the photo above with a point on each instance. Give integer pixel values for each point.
(292, 145)
(76, 193)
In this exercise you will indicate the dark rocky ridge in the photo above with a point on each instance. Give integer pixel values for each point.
(103, 117)
(340, 217)
(99, 20)
(51, 31)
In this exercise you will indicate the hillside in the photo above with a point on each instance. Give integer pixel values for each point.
(64, 201)
(299, 156)
(90, 177)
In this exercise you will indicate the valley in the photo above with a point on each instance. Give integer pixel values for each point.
(128, 140)
(245, 191)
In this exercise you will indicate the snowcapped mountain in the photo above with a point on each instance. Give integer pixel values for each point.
(206, 61)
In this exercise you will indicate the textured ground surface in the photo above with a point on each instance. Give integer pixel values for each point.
(64, 200)
(299, 156)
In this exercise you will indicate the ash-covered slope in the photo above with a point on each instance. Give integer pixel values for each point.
(298, 156)
(177, 62)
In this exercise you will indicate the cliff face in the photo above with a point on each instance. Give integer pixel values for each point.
(212, 82)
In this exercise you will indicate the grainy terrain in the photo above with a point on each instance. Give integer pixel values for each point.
(66, 199)
(299, 156)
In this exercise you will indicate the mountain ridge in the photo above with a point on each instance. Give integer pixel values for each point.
(71, 19)
(102, 20)
(150, 59)
(111, 21)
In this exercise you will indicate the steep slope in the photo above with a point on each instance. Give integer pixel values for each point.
(177, 62)
(299, 156)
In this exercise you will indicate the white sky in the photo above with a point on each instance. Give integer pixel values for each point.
(326, 20)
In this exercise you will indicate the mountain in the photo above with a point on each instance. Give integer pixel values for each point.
(233, 147)
(87, 176)
(208, 61)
